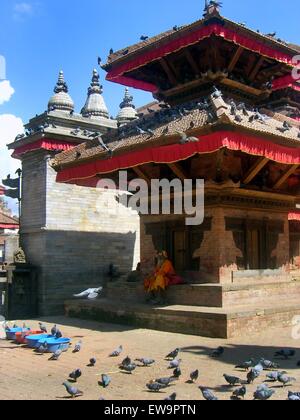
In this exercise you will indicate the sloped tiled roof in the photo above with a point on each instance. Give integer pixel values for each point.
(5, 219)
(193, 118)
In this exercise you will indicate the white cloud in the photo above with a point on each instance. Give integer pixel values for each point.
(10, 127)
(6, 91)
(22, 10)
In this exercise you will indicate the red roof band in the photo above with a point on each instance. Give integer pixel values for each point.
(176, 152)
(117, 75)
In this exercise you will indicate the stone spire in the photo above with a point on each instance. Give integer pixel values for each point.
(127, 109)
(61, 100)
(95, 106)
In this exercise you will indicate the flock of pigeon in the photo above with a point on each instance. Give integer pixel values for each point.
(255, 371)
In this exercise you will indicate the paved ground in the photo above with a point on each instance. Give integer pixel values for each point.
(25, 375)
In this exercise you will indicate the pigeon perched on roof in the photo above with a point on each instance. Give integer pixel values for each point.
(73, 391)
(263, 393)
(184, 138)
(232, 380)
(207, 394)
(90, 293)
(75, 375)
(117, 352)
(144, 38)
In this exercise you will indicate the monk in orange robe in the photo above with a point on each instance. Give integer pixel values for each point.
(164, 276)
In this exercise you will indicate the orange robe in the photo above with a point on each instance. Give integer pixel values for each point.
(161, 278)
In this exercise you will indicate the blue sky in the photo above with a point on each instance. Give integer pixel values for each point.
(38, 38)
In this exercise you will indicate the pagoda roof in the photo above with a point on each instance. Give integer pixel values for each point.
(161, 129)
(156, 47)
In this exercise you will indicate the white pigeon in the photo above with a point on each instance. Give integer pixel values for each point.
(90, 293)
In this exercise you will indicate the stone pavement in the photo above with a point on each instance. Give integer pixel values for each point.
(25, 375)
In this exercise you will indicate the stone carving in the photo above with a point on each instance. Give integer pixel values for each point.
(19, 257)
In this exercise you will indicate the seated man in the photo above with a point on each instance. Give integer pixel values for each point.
(163, 277)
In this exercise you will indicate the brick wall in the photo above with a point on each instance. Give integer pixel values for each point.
(72, 234)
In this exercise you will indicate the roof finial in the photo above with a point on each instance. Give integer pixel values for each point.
(212, 7)
(95, 105)
(61, 100)
(127, 109)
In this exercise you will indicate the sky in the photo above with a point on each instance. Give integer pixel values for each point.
(40, 38)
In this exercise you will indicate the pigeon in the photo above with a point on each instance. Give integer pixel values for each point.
(99, 61)
(218, 352)
(272, 376)
(165, 131)
(165, 381)
(285, 354)
(246, 365)
(259, 368)
(271, 35)
(268, 365)
(263, 393)
(43, 328)
(75, 132)
(177, 373)
(175, 364)
(129, 368)
(146, 362)
(75, 375)
(242, 107)
(125, 52)
(127, 361)
(216, 93)
(144, 38)
(173, 354)
(175, 28)
(285, 127)
(90, 293)
(253, 375)
(117, 352)
(294, 396)
(77, 347)
(232, 380)
(106, 380)
(56, 355)
(43, 348)
(241, 392)
(184, 139)
(93, 362)
(58, 335)
(54, 330)
(238, 118)
(74, 392)
(284, 379)
(155, 387)
(207, 394)
(172, 397)
(194, 375)
(233, 108)
(111, 51)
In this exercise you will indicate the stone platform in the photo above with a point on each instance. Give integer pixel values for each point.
(209, 310)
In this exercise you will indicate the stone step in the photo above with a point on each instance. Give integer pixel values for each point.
(209, 295)
(201, 321)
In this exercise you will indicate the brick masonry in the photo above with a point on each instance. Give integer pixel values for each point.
(72, 234)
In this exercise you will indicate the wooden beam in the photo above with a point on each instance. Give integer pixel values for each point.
(256, 69)
(141, 174)
(168, 71)
(192, 62)
(235, 59)
(255, 169)
(178, 171)
(285, 176)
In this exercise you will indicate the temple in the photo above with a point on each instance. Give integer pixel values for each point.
(232, 89)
